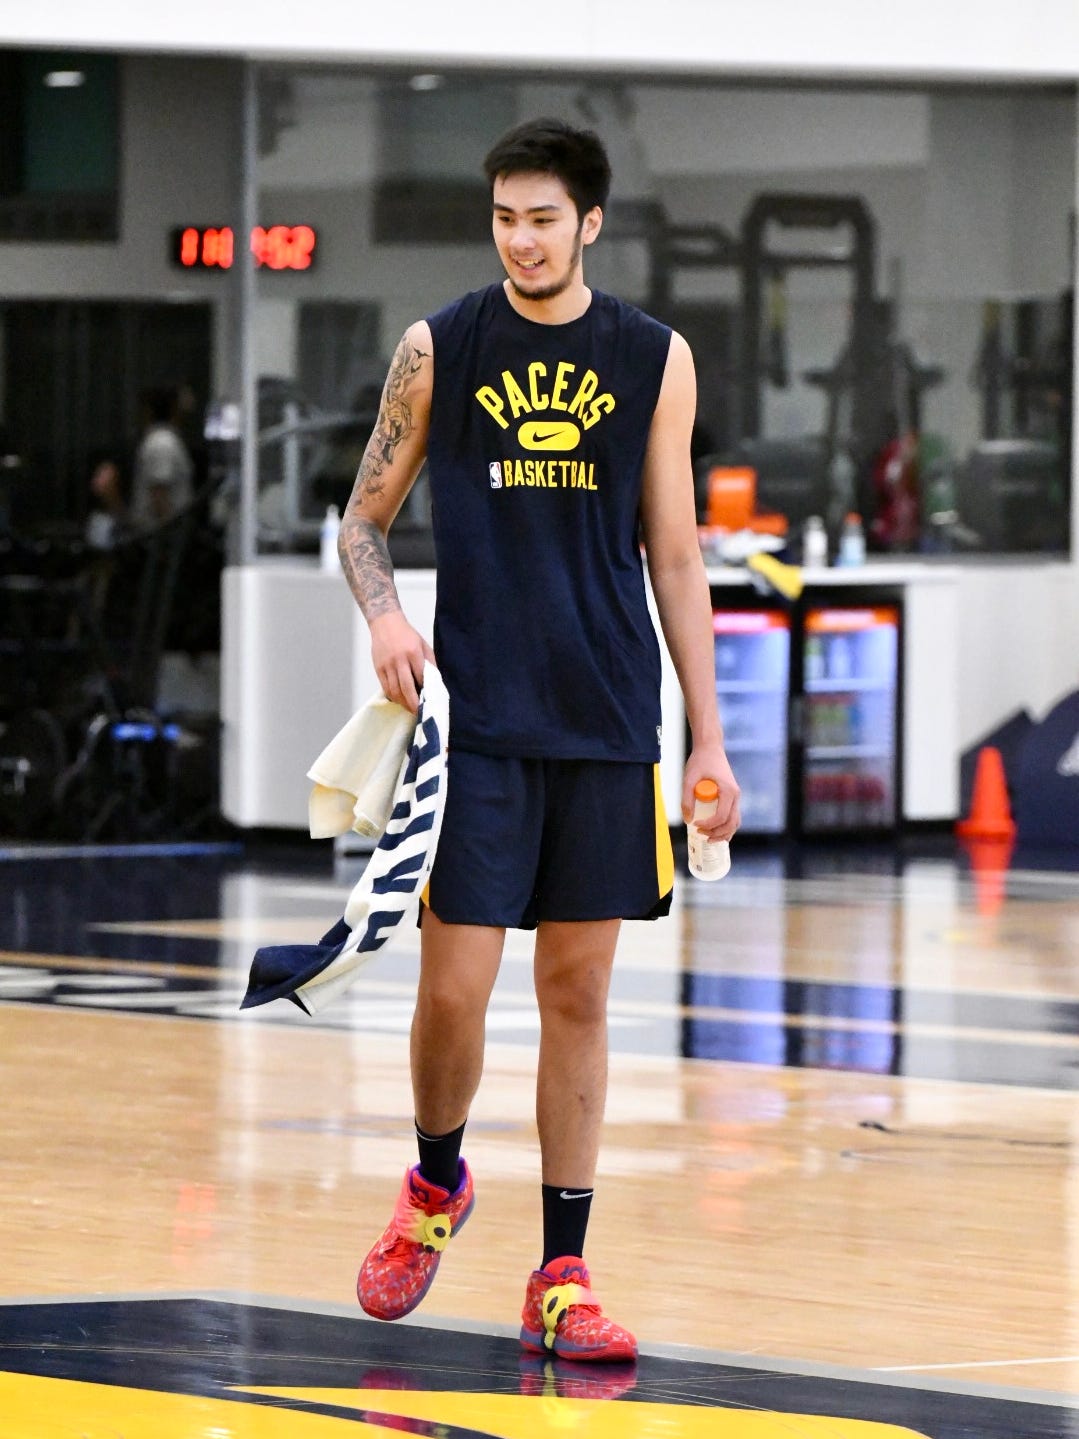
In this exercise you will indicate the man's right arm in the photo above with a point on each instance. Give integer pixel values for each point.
(387, 472)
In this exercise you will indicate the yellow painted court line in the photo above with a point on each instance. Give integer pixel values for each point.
(526, 1416)
(43, 1408)
(39, 1408)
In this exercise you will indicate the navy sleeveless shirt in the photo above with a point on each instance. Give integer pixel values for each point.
(535, 455)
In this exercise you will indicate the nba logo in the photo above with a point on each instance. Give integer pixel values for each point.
(494, 469)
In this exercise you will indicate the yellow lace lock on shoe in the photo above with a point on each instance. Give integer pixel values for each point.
(556, 1305)
(435, 1232)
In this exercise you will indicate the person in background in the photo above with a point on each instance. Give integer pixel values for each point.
(164, 471)
(108, 524)
(108, 517)
(556, 422)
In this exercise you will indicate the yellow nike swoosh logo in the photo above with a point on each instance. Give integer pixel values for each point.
(537, 435)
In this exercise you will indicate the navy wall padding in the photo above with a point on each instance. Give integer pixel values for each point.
(1046, 798)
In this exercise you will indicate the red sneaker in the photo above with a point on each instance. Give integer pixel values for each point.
(401, 1267)
(562, 1316)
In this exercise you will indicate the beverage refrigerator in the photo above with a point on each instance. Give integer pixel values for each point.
(810, 694)
(849, 712)
(753, 681)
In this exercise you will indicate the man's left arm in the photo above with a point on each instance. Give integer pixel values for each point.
(679, 583)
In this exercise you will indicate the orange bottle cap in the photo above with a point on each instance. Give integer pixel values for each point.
(706, 790)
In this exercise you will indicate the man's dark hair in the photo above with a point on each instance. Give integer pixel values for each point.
(551, 147)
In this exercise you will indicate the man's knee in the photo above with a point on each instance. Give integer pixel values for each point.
(574, 996)
(453, 1002)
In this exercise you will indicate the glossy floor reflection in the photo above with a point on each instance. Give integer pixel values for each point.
(837, 1194)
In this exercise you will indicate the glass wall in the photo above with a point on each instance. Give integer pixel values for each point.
(876, 283)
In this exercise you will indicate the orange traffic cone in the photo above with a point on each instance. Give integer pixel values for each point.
(990, 813)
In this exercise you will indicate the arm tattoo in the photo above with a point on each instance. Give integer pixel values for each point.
(368, 568)
(364, 554)
(394, 422)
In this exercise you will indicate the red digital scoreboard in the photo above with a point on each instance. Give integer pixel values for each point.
(273, 247)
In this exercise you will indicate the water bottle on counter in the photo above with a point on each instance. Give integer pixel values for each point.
(814, 543)
(851, 541)
(708, 859)
(327, 540)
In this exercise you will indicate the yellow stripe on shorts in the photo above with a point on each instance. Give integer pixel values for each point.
(664, 852)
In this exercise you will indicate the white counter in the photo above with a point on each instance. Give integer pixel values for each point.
(296, 662)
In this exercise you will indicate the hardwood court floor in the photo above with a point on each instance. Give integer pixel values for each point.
(840, 1145)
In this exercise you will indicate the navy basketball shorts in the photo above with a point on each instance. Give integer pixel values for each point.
(528, 840)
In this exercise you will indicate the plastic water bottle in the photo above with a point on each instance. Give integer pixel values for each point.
(851, 542)
(840, 663)
(327, 540)
(814, 658)
(708, 859)
(814, 543)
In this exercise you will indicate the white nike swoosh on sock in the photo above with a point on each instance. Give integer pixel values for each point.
(586, 1195)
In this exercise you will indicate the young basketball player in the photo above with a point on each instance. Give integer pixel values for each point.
(556, 424)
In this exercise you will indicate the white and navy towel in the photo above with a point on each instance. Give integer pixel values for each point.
(384, 771)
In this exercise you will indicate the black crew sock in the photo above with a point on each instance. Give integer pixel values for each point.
(439, 1154)
(565, 1220)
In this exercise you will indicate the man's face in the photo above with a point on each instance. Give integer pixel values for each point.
(539, 235)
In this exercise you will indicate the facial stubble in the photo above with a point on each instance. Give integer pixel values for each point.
(557, 287)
